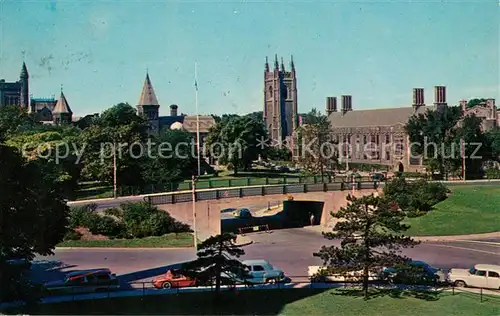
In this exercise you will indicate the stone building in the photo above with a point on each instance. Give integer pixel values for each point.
(378, 136)
(16, 93)
(280, 101)
(149, 108)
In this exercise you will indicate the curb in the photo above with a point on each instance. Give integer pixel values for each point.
(123, 248)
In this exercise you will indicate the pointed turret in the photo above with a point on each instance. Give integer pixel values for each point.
(267, 65)
(148, 96)
(276, 66)
(24, 72)
(62, 112)
(282, 65)
(292, 65)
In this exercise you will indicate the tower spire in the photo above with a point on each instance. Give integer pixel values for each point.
(267, 64)
(292, 65)
(148, 96)
(24, 71)
(282, 65)
(276, 66)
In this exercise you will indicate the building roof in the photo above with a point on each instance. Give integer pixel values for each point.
(206, 121)
(62, 105)
(148, 96)
(24, 71)
(375, 117)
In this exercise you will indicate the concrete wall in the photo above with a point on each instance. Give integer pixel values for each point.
(208, 212)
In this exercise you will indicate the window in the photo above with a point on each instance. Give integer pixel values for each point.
(493, 274)
(378, 139)
(258, 268)
(480, 273)
(102, 277)
(364, 139)
(270, 92)
(387, 155)
(387, 138)
(364, 156)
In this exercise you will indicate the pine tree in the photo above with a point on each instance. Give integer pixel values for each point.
(371, 236)
(216, 260)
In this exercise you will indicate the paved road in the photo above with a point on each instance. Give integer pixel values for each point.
(290, 250)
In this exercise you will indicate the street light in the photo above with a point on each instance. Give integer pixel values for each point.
(193, 190)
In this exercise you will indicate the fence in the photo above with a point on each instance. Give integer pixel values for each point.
(211, 194)
(143, 289)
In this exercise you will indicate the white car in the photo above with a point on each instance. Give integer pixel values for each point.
(480, 275)
(351, 276)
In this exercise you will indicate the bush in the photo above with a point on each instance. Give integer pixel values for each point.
(82, 216)
(493, 173)
(71, 234)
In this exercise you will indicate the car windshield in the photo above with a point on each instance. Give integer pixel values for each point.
(472, 270)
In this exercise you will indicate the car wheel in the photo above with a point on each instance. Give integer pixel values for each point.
(166, 285)
(271, 281)
(460, 284)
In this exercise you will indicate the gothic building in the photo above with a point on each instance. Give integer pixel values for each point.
(47, 110)
(378, 136)
(149, 108)
(280, 101)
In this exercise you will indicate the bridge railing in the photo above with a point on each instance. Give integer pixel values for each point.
(227, 193)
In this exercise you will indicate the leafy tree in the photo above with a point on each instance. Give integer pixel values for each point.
(277, 154)
(371, 236)
(216, 260)
(314, 117)
(493, 138)
(258, 116)
(473, 102)
(118, 125)
(317, 147)
(237, 141)
(33, 217)
(438, 127)
(14, 119)
(173, 154)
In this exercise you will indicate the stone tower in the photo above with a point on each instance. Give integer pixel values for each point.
(148, 106)
(280, 101)
(62, 113)
(24, 80)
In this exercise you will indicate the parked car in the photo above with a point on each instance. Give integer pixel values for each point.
(85, 281)
(415, 272)
(242, 213)
(321, 274)
(261, 271)
(173, 279)
(480, 275)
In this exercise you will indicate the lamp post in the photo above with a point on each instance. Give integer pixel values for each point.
(193, 190)
(114, 168)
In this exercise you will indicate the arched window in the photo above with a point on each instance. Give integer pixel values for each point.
(285, 93)
(270, 92)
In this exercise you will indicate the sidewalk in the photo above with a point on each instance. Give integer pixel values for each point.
(320, 229)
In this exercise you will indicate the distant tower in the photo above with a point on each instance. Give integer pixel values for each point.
(148, 106)
(24, 80)
(62, 113)
(280, 100)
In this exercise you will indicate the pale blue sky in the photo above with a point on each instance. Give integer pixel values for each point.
(375, 51)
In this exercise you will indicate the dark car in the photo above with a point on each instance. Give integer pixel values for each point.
(414, 273)
(85, 281)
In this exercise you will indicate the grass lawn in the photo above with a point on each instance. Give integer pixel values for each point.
(281, 302)
(468, 210)
(166, 241)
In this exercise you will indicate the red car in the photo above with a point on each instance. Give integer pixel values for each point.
(173, 279)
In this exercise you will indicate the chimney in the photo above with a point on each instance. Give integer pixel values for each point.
(463, 104)
(346, 104)
(173, 110)
(418, 97)
(331, 105)
(440, 95)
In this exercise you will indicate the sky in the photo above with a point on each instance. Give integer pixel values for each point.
(99, 51)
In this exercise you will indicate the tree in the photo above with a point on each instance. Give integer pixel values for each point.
(317, 147)
(258, 116)
(33, 216)
(237, 141)
(13, 119)
(493, 138)
(314, 117)
(473, 102)
(216, 260)
(371, 236)
(118, 125)
(439, 128)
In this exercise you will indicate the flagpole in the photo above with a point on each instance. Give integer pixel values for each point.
(197, 118)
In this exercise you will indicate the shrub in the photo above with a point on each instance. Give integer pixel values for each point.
(493, 173)
(82, 216)
(71, 234)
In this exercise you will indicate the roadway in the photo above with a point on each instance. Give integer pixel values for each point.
(290, 249)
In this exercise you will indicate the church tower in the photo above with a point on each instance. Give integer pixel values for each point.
(280, 101)
(62, 113)
(148, 106)
(24, 80)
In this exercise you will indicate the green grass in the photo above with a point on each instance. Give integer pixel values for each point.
(468, 210)
(165, 241)
(281, 302)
